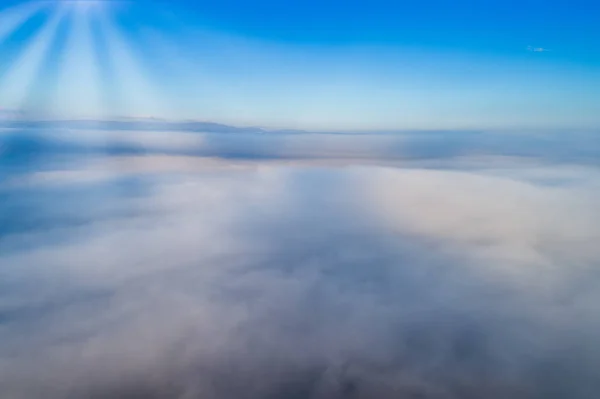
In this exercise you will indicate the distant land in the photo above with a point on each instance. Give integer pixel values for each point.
(135, 125)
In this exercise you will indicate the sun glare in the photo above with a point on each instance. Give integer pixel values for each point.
(85, 5)
(78, 81)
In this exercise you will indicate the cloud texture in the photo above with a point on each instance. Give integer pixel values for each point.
(289, 279)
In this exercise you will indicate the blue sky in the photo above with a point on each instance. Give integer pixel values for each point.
(307, 64)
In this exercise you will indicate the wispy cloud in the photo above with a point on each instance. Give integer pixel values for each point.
(538, 49)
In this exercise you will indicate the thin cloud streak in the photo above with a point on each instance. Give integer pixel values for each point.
(538, 49)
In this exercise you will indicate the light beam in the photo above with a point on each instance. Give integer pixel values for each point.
(79, 82)
(11, 19)
(20, 77)
(139, 96)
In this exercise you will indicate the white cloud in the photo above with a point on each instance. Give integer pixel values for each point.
(326, 282)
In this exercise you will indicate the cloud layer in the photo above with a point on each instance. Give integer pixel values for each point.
(301, 279)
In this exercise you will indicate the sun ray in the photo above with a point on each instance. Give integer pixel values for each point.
(17, 82)
(42, 91)
(11, 19)
(139, 97)
(181, 78)
(110, 92)
(78, 87)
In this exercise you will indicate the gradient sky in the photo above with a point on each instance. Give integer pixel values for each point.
(334, 65)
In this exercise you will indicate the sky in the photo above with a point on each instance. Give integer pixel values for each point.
(317, 65)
